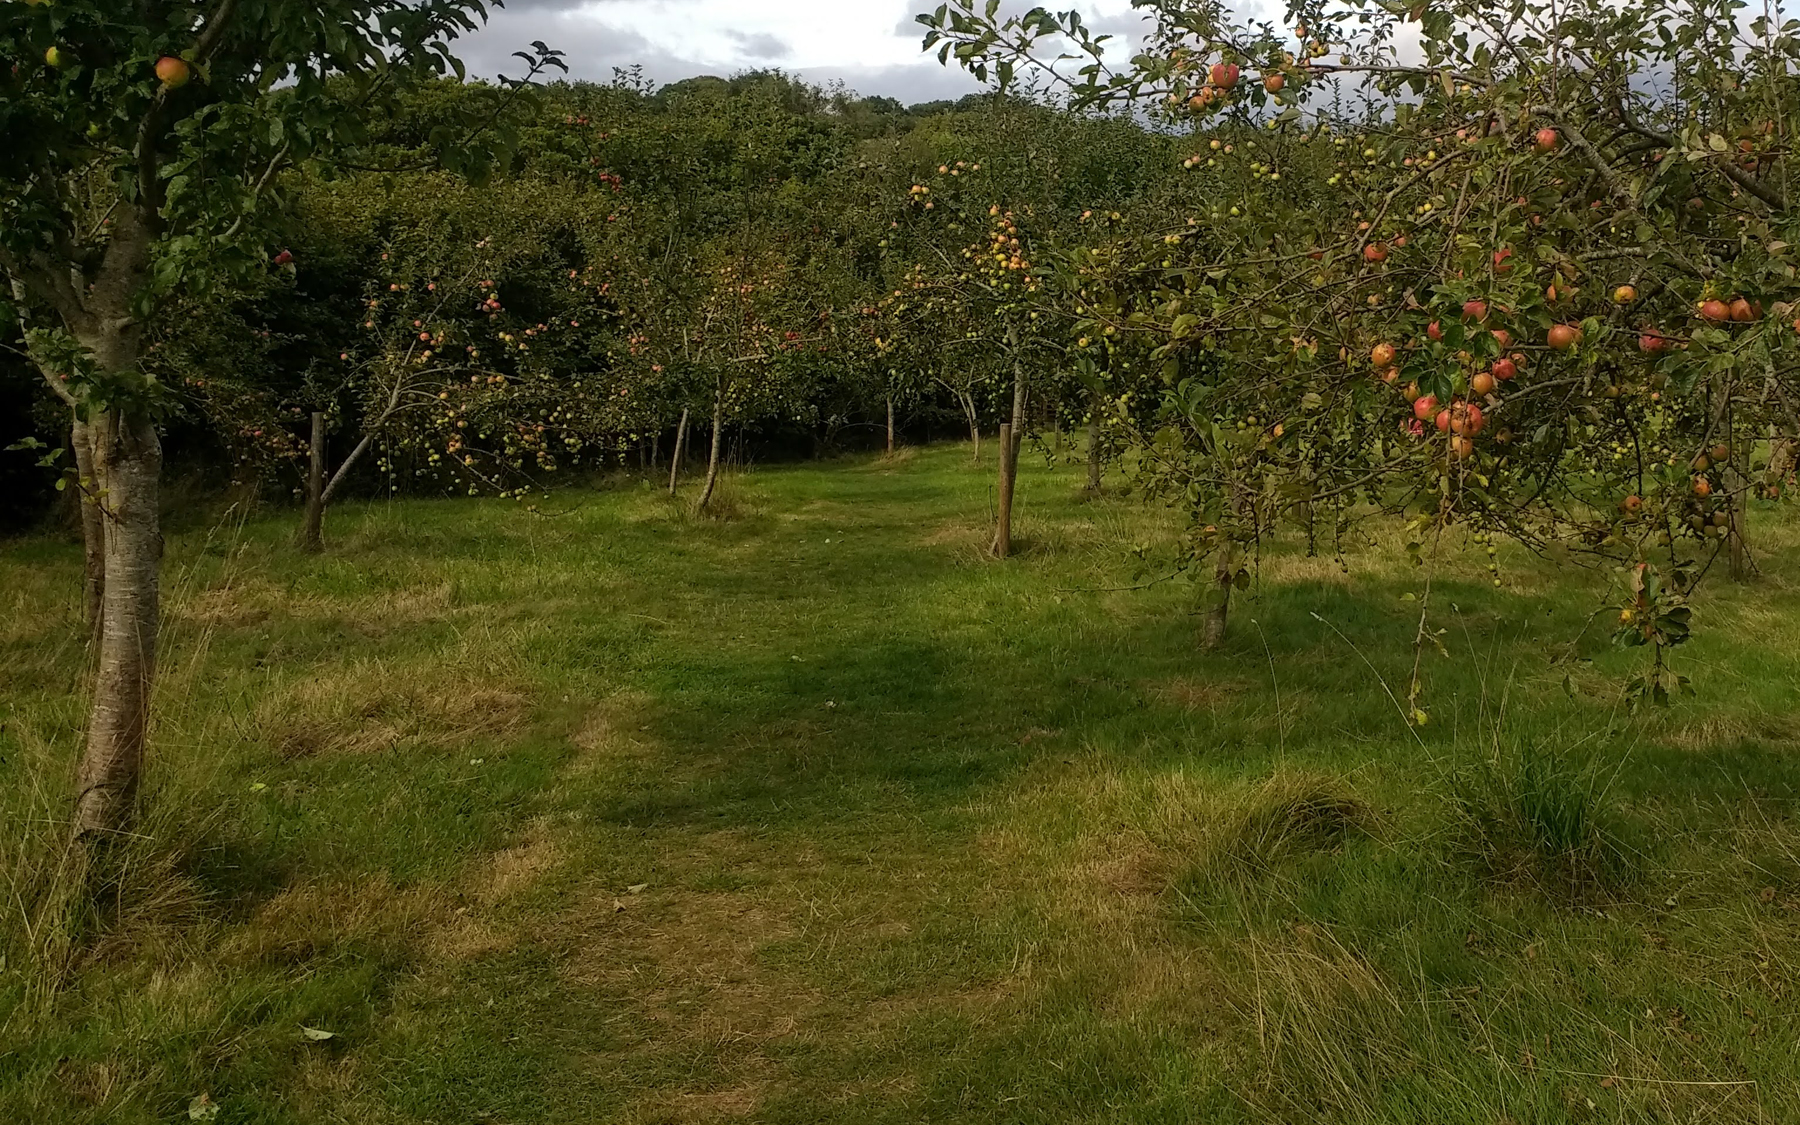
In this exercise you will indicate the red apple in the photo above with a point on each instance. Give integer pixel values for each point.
(1564, 336)
(1715, 311)
(172, 72)
(1546, 139)
(1505, 369)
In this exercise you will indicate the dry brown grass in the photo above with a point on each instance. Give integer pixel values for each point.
(372, 706)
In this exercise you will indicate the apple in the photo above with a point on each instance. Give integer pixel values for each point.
(1702, 487)
(1632, 505)
(1435, 331)
(1443, 421)
(1462, 449)
(1482, 383)
(1715, 310)
(53, 57)
(1424, 406)
(1501, 264)
(1223, 75)
(1475, 310)
(1653, 342)
(1505, 369)
(1383, 355)
(172, 72)
(1742, 312)
(284, 257)
(1564, 336)
(1546, 139)
(1274, 83)
(1465, 419)
(1624, 295)
(1374, 252)
(1721, 454)
(1503, 337)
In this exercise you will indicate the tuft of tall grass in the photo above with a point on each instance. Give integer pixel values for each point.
(1534, 817)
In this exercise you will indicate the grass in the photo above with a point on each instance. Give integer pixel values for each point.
(812, 814)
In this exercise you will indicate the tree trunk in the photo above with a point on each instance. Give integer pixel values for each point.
(93, 529)
(679, 451)
(312, 531)
(890, 432)
(1224, 572)
(1002, 545)
(712, 462)
(127, 470)
(968, 405)
(656, 450)
(1011, 437)
(1093, 450)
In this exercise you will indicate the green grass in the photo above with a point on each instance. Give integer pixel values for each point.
(815, 815)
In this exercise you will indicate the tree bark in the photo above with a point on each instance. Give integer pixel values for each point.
(712, 461)
(1011, 437)
(312, 530)
(93, 529)
(1002, 545)
(1224, 573)
(968, 405)
(677, 453)
(127, 470)
(890, 428)
(1093, 450)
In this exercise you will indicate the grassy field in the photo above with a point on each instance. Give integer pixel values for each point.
(813, 814)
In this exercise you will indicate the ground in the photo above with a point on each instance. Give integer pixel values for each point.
(813, 814)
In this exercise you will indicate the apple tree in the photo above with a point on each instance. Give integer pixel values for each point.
(138, 144)
(1543, 289)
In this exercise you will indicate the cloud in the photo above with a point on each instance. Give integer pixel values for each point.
(759, 46)
(822, 41)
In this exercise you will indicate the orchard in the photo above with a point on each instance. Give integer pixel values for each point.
(1239, 572)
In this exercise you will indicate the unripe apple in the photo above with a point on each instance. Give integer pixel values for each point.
(53, 57)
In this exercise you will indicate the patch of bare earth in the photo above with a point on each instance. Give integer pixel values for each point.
(1196, 694)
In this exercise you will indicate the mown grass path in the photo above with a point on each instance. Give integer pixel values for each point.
(816, 815)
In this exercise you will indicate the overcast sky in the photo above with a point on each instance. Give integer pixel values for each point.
(870, 45)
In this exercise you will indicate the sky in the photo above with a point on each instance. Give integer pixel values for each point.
(872, 46)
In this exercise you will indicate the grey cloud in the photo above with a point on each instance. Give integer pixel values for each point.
(592, 48)
(761, 47)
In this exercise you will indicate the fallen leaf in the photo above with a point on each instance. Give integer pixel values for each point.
(315, 1034)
